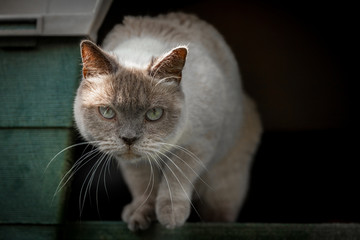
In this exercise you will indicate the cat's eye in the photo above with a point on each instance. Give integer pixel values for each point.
(107, 112)
(154, 114)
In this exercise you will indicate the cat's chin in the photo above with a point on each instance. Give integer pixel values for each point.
(129, 156)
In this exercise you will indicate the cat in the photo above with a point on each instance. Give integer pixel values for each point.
(163, 97)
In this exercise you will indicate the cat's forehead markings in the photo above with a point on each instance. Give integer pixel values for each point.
(98, 91)
(132, 90)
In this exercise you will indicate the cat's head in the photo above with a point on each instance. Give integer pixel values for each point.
(126, 112)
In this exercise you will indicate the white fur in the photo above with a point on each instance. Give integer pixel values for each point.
(137, 52)
(210, 78)
(219, 123)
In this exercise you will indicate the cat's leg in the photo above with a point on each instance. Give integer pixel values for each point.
(173, 202)
(225, 189)
(142, 180)
(229, 177)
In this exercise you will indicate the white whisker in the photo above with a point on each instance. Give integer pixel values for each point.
(87, 189)
(197, 175)
(102, 171)
(166, 180)
(151, 181)
(67, 148)
(98, 163)
(177, 179)
(75, 168)
(188, 152)
(185, 162)
(108, 162)
(180, 170)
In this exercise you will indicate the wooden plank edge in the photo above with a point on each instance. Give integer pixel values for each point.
(204, 231)
(29, 231)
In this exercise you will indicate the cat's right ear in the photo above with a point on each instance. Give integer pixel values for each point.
(169, 67)
(94, 60)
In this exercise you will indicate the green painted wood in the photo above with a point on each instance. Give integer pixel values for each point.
(28, 232)
(213, 231)
(26, 189)
(37, 85)
(23, 42)
(196, 231)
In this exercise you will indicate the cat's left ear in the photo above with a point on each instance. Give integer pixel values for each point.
(169, 67)
(94, 60)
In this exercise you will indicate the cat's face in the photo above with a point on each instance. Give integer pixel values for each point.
(129, 113)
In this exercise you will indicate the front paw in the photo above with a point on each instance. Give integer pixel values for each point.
(172, 214)
(138, 215)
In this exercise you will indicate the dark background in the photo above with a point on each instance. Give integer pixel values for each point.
(297, 60)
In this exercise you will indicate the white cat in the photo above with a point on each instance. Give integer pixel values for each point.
(164, 98)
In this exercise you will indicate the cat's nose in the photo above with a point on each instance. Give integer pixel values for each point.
(129, 141)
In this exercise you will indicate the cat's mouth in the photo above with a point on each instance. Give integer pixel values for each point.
(129, 154)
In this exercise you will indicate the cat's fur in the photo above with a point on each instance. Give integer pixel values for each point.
(202, 146)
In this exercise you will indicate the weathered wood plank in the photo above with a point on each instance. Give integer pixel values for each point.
(196, 231)
(26, 189)
(37, 85)
(28, 232)
(213, 231)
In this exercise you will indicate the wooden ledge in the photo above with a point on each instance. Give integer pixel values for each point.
(202, 231)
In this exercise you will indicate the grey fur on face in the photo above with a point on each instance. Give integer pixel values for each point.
(130, 93)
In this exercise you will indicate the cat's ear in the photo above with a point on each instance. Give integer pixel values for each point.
(169, 67)
(94, 60)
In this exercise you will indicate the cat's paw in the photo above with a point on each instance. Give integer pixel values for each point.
(172, 214)
(138, 215)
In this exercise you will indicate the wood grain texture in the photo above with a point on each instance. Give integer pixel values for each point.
(37, 85)
(26, 189)
(196, 231)
(213, 231)
(28, 232)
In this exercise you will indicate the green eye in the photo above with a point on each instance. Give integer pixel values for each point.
(107, 112)
(154, 114)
